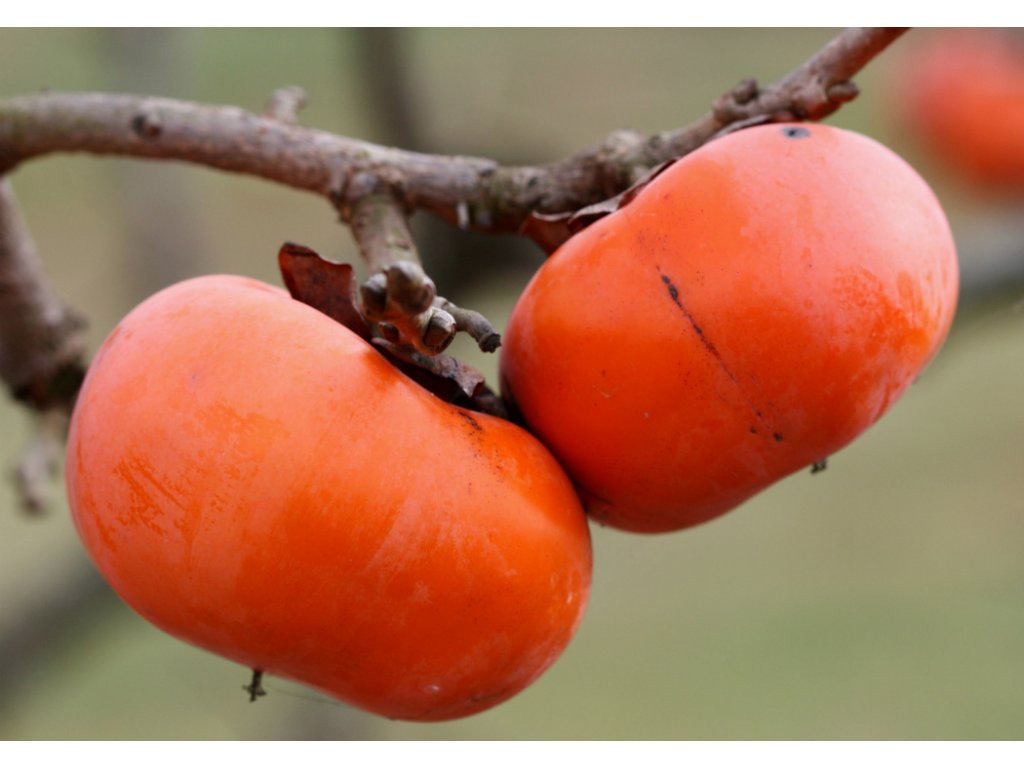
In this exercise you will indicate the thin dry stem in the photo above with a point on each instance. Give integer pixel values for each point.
(41, 338)
(42, 343)
(37, 469)
(399, 297)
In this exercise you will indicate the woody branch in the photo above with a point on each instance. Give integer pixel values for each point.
(373, 187)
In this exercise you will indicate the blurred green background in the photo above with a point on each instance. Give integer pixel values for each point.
(883, 598)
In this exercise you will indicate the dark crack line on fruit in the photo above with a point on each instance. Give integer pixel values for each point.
(472, 422)
(712, 350)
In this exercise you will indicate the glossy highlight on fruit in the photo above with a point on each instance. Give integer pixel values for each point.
(756, 307)
(255, 479)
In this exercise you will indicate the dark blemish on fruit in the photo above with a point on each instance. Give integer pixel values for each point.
(819, 466)
(481, 697)
(753, 430)
(777, 436)
(795, 132)
(472, 422)
(674, 294)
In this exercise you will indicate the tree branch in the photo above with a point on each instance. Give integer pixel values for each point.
(374, 188)
(812, 91)
(41, 339)
(472, 192)
(42, 343)
(398, 297)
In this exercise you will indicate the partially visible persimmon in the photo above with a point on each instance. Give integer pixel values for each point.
(756, 307)
(961, 92)
(254, 478)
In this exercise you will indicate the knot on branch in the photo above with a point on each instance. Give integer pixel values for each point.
(818, 98)
(732, 105)
(402, 302)
(399, 299)
(147, 125)
(617, 159)
(285, 104)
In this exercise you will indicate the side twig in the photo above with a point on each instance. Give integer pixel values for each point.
(42, 343)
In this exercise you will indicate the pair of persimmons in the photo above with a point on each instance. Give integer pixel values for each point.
(255, 479)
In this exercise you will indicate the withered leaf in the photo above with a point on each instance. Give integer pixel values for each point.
(548, 230)
(551, 230)
(443, 375)
(584, 217)
(330, 288)
(324, 285)
(454, 377)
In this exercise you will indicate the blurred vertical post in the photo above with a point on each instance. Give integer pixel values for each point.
(163, 241)
(455, 260)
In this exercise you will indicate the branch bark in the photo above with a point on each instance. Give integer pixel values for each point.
(373, 187)
(42, 346)
(41, 339)
(471, 192)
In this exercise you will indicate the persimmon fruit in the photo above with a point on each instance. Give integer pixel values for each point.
(751, 311)
(961, 93)
(255, 479)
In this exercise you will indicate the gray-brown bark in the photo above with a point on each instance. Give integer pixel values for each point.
(473, 192)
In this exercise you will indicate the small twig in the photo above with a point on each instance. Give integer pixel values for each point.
(285, 104)
(42, 343)
(41, 339)
(35, 472)
(255, 687)
(399, 298)
(473, 323)
(812, 91)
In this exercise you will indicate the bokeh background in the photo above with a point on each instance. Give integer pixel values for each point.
(883, 598)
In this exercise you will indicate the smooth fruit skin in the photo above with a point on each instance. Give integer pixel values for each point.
(253, 478)
(755, 308)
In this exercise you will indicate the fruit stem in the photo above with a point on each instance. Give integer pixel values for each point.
(255, 687)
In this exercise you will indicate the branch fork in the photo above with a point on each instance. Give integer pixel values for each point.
(399, 300)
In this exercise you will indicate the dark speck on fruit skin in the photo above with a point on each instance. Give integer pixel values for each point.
(472, 422)
(795, 132)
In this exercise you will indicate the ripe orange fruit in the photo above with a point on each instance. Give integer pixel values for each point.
(255, 479)
(961, 92)
(755, 308)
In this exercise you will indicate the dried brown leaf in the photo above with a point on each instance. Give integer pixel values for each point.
(324, 285)
(548, 230)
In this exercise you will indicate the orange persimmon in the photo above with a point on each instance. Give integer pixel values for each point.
(756, 307)
(961, 93)
(253, 478)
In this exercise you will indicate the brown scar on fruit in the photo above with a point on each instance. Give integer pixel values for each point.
(712, 350)
(472, 422)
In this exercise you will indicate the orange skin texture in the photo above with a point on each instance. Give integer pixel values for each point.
(755, 308)
(255, 479)
(962, 93)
